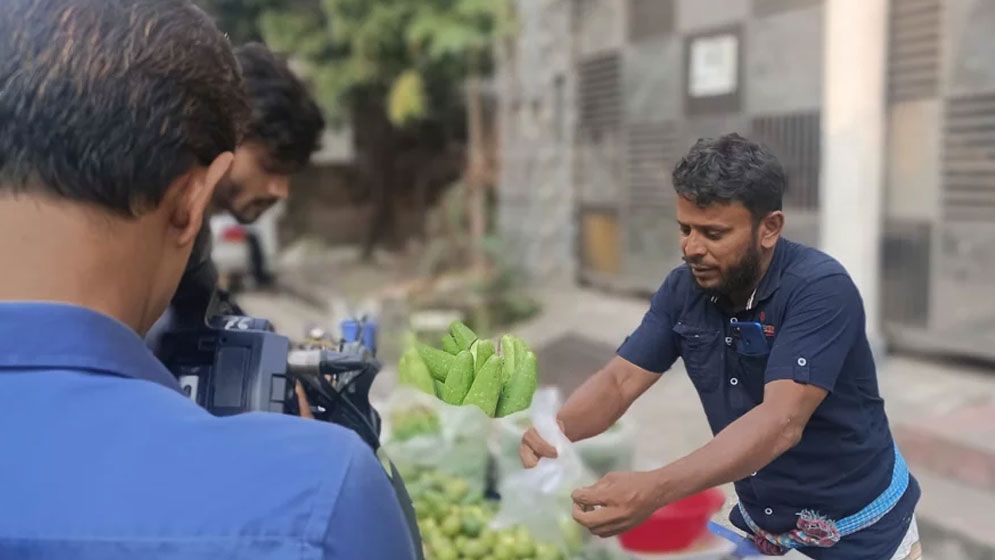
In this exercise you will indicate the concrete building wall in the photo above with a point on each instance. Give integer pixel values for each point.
(537, 112)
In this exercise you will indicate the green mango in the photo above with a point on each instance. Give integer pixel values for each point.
(462, 334)
(459, 379)
(486, 388)
(449, 344)
(438, 361)
(510, 352)
(412, 370)
(482, 350)
(517, 393)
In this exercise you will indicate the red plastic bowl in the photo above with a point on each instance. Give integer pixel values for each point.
(675, 526)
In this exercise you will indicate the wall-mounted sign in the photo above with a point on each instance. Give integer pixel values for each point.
(713, 66)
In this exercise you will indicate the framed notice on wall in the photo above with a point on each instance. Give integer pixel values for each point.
(713, 63)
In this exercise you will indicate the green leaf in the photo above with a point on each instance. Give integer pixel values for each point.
(407, 102)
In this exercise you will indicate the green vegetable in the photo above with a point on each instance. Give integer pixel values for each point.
(412, 370)
(462, 334)
(517, 393)
(520, 347)
(449, 344)
(510, 353)
(486, 388)
(438, 361)
(413, 422)
(440, 388)
(482, 350)
(459, 379)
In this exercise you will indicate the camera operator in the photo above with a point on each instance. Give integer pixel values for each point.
(118, 118)
(283, 131)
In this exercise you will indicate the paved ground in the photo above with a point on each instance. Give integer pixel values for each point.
(943, 413)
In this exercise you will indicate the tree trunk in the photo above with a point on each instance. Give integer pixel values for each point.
(375, 138)
(476, 175)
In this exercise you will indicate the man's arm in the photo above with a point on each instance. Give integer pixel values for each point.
(597, 404)
(742, 448)
(593, 408)
(747, 445)
(603, 399)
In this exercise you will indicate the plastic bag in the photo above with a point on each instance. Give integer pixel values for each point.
(612, 451)
(457, 445)
(506, 437)
(539, 498)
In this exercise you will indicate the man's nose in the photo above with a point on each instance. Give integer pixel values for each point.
(693, 247)
(280, 187)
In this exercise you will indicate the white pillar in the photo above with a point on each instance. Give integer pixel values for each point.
(853, 120)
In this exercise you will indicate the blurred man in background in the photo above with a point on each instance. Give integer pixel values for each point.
(283, 132)
(118, 119)
(772, 334)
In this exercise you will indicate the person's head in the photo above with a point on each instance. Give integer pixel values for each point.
(117, 120)
(729, 210)
(283, 132)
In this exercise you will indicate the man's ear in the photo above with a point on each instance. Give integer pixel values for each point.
(771, 228)
(194, 195)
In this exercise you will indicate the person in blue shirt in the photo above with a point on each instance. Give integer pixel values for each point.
(772, 335)
(117, 120)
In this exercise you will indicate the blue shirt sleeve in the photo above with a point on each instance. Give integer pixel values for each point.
(823, 321)
(367, 521)
(653, 345)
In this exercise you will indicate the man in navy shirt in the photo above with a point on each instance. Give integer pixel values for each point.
(117, 120)
(772, 335)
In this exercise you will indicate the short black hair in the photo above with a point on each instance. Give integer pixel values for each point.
(107, 102)
(731, 169)
(285, 118)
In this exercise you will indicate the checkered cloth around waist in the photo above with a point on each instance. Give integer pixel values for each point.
(813, 529)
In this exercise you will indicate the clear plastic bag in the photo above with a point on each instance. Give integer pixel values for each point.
(457, 445)
(612, 451)
(539, 498)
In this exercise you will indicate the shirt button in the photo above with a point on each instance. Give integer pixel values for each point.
(729, 341)
(754, 473)
(734, 381)
(769, 511)
(802, 362)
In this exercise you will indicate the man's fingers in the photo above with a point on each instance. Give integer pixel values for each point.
(612, 528)
(529, 458)
(603, 521)
(539, 446)
(593, 517)
(588, 496)
(303, 406)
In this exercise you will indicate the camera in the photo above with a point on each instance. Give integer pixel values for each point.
(235, 364)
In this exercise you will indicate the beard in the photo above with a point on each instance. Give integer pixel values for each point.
(740, 277)
(228, 197)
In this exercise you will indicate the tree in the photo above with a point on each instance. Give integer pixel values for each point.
(405, 73)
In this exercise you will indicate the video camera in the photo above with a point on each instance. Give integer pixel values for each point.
(235, 364)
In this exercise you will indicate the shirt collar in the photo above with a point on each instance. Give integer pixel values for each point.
(35, 335)
(772, 278)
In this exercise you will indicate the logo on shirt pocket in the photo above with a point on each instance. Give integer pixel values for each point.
(701, 355)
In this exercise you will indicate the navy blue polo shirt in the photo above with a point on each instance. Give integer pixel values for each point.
(103, 458)
(813, 320)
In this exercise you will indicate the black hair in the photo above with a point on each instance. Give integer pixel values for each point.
(107, 102)
(285, 118)
(731, 169)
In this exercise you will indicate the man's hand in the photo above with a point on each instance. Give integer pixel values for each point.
(533, 448)
(617, 502)
(303, 406)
